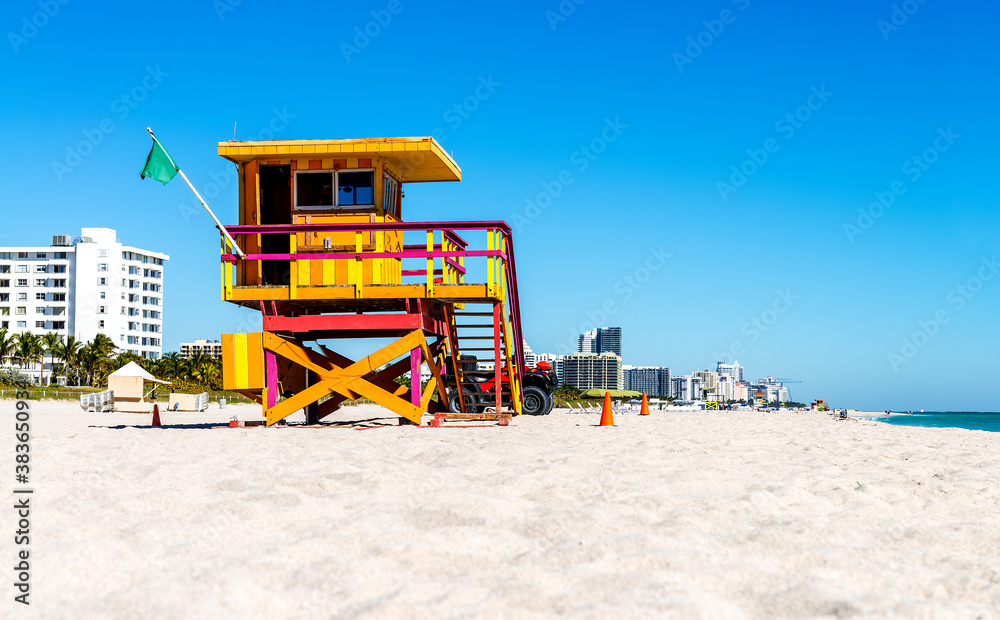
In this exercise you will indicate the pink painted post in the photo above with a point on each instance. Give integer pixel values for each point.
(498, 384)
(415, 377)
(270, 380)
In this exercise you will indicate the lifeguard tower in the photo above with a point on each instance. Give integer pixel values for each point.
(328, 256)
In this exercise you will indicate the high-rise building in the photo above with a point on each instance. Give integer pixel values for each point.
(530, 359)
(731, 389)
(651, 380)
(710, 378)
(587, 342)
(680, 387)
(733, 370)
(586, 371)
(609, 340)
(84, 286)
(555, 360)
(211, 348)
(741, 392)
(697, 388)
(773, 389)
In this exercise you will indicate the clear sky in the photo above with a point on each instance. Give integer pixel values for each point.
(808, 186)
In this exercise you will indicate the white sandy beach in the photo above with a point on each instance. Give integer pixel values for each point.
(679, 514)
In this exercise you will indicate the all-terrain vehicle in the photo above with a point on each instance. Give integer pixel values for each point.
(478, 388)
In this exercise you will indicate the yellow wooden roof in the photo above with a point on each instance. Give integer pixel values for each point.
(419, 159)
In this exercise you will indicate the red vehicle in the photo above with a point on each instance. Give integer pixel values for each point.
(479, 388)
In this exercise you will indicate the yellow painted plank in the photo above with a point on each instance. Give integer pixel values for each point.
(389, 401)
(255, 361)
(303, 268)
(299, 355)
(240, 361)
(447, 292)
(290, 405)
(228, 376)
(329, 272)
(255, 294)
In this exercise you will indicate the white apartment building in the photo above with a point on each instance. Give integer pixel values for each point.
(530, 359)
(84, 286)
(733, 370)
(586, 371)
(680, 387)
(708, 377)
(211, 348)
(687, 387)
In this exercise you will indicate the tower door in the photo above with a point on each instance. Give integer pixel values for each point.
(275, 208)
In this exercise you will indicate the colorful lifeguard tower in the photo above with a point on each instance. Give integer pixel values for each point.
(328, 257)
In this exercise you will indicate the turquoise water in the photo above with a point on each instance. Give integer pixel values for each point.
(973, 420)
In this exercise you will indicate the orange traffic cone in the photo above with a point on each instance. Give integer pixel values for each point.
(156, 415)
(645, 405)
(606, 418)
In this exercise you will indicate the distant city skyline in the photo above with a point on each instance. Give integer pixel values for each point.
(590, 368)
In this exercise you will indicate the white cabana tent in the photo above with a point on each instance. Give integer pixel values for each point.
(126, 384)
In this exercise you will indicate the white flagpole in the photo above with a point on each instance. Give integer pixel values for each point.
(225, 232)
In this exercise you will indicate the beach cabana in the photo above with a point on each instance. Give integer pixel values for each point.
(128, 386)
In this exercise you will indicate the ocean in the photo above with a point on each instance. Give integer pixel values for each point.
(973, 420)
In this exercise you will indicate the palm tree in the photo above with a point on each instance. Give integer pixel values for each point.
(97, 358)
(90, 361)
(103, 345)
(52, 342)
(170, 365)
(127, 356)
(198, 366)
(69, 352)
(28, 350)
(6, 345)
(203, 369)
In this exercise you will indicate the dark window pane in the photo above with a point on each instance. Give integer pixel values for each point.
(355, 188)
(314, 189)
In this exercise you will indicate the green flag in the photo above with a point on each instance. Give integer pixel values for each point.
(159, 166)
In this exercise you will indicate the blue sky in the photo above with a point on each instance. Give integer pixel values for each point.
(795, 266)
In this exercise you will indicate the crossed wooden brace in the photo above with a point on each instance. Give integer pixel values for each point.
(350, 380)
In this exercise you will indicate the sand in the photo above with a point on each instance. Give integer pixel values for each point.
(679, 514)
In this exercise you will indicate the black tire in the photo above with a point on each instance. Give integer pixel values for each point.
(550, 397)
(471, 395)
(534, 401)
